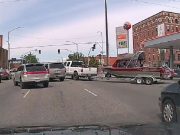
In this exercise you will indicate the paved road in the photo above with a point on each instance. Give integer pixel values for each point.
(79, 103)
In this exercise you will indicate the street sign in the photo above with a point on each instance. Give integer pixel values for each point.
(121, 37)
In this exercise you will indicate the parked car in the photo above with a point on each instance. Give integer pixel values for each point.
(31, 74)
(56, 70)
(12, 72)
(169, 103)
(5, 74)
(77, 69)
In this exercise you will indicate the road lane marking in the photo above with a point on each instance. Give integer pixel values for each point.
(91, 92)
(26, 94)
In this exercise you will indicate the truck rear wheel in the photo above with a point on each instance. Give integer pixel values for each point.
(75, 76)
(46, 84)
(90, 78)
(61, 79)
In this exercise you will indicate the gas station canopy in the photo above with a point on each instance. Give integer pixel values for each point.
(170, 42)
(165, 42)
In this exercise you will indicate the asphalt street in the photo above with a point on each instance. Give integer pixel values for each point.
(105, 102)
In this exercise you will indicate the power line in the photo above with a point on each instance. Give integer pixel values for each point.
(153, 3)
(43, 46)
(84, 37)
(11, 1)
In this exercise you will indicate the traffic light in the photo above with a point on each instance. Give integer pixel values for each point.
(39, 51)
(94, 47)
(59, 51)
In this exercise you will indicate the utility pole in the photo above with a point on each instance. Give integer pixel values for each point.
(107, 38)
(102, 52)
(9, 45)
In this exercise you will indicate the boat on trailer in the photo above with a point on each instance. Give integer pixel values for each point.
(132, 66)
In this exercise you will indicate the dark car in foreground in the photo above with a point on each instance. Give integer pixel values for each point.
(169, 103)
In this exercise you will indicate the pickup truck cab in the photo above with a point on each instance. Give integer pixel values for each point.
(77, 69)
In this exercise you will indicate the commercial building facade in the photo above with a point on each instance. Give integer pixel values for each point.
(3, 55)
(158, 25)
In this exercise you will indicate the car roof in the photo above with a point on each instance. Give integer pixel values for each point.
(73, 61)
(53, 63)
(32, 64)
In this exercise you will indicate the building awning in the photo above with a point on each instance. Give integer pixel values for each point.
(164, 42)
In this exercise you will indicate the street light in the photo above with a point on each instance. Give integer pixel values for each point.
(77, 51)
(74, 44)
(9, 44)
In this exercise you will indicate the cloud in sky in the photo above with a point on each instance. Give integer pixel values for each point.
(82, 28)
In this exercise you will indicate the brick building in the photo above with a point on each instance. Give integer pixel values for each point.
(104, 60)
(3, 54)
(160, 24)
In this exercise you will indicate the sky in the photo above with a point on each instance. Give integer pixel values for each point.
(54, 22)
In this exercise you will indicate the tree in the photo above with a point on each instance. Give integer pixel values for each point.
(30, 58)
(76, 57)
(93, 62)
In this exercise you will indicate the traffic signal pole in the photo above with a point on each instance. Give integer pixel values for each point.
(107, 37)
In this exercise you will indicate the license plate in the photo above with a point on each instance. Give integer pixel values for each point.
(58, 71)
(36, 78)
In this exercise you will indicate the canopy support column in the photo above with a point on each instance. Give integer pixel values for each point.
(171, 57)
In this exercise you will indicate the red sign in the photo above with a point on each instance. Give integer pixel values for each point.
(122, 36)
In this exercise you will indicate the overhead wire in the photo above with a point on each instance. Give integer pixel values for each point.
(11, 1)
(154, 3)
(84, 37)
(43, 46)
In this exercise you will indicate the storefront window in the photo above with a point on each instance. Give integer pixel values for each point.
(177, 30)
(178, 57)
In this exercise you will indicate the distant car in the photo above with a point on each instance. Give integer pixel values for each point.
(56, 70)
(5, 74)
(31, 74)
(0, 78)
(12, 72)
(169, 103)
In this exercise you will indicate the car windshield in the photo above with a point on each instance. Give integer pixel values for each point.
(34, 68)
(56, 65)
(89, 63)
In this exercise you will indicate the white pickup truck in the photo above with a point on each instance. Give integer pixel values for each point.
(77, 69)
